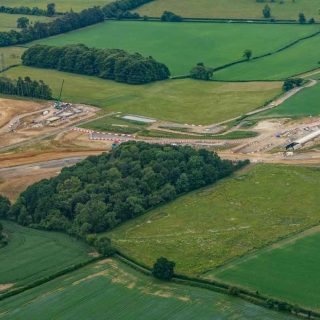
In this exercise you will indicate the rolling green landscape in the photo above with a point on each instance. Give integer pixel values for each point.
(207, 228)
(165, 100)
(105, 287)
(287, 271)
(34, 254)
(278, 66)
(241, 9)
(207, 212)
(305, 103)
(61, 6)
(227, 41)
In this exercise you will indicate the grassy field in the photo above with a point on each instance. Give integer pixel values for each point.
(111, 290)
(33, 254)
(297, 59)
(289, 272)
(186, 44)
(173, 100)
(11, 56)
(305, 103)
(9, 21)
(61, 5)
(115, 124)
(206, 228)
(242, 9)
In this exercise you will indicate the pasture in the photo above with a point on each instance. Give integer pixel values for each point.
(297, 59)
(288, 271)
(61, 5)
(173, 100)
(9, 21)
(33, 254)
(111, 290)
(242, 9)
(305, 103)
(182, 45)
(11, 56)
(207, 228)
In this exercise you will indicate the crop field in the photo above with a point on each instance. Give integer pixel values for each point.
(241, 9)
(167, 100)
(61, 5)
(297, 59)
(212, 44)
(106, 287)
(305, 103)
(288, 272)
(33, 254)
(9, 21)
(207, 228)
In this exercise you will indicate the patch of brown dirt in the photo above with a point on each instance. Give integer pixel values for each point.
(6, 286)
(10, 108)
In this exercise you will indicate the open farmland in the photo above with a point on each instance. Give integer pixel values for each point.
(33, 254)
(288, 271)
(305, 103)
(61, 5)
(9, 21)
(11, 56)
(212, 44)
(241, 9)
(101, 291)
(206, 228)
(302, 57)
(167, 100)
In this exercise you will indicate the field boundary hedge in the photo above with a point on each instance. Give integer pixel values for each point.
(44, 280)
(225, 288)
(219, 20)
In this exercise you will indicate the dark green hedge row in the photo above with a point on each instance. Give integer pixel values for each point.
(110, 64)
(35, 11)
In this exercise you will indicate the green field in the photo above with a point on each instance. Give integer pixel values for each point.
(182, 45)
(111, 290)
(299, 58)
(242, 9)
(61, 5)
(173, 100)
(33, 254)
(11, 56)
(305, 103)
(9, 21)
(289, 272)
(206, 228)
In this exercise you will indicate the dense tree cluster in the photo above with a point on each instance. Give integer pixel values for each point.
(3, 239)
(35, 11)
(69, 21)
(201, 72)
(169, 16)
(163, 269)
(292, 83)
(102, 191)
(25, 88)
(121, 9)
(111, 64)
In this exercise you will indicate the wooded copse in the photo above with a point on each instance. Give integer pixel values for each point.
(103, 191)
(25, 88)
(112, 64)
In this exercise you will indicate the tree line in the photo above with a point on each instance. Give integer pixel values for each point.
(103, 191)
(113, 64)
(35, 11)
(25, 88)
(71, 21)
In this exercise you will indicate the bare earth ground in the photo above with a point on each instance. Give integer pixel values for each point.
(10, 108)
